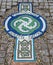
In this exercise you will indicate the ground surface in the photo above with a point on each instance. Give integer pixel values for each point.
(43, 45)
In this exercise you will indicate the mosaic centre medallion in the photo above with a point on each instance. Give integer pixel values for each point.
(24, 26)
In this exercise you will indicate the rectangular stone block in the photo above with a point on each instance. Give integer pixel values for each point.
(40, 0)
(45, 59)
(46, 14)
(46, 4)
(2, 53)
(3, 46)
(19, 0)
(1, 60)
(51, 6)
(30, 0)
(9, 0)
(51, 10)
(50, 36)
(14, 3)
(35, 4)
(2, 64)
(50, 3)
(35, 0)
(52, 14)
(3, 10)
(9, 7)
(51, 41)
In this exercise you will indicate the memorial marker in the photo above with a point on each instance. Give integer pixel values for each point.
(25, 26)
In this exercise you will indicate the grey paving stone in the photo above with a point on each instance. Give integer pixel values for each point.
(4, 0)
(45, 59)
(45, 0)
(2, 53)
(3, 3)
(51, 51)
(52, 14)
(3, 46)
(1, 13)
(0, 2)
(3, 10)
(19, 0)
(9, 59)
(9, 3)
(30, 0)
(35, 4)
(52, 17)
(51, 6)
(41, 0)
(1, 60)
(15, 0)
(9, 7)
(2, 41)
(50, 3)
(2, 64)
(47, 14)
(50, 36)
(8, 0)
(46, 4)
(9, 50)
(14, 3)
(41, 7)
(3, 6)
(51, 10)
(35, 0)
(51, 41)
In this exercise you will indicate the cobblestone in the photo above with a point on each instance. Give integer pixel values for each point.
(1, 60)
(2, 53)
(42, 7)
(3, 46)
(2, 64)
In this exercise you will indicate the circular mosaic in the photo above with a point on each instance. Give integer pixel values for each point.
(25, 24)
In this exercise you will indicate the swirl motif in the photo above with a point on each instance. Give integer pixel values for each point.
(25, 24)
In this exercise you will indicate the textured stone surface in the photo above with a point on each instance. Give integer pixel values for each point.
(1, 60)
(2, 53)
(7, 43)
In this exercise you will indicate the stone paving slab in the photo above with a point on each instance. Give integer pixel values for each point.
(1, 64)
(1, 60)
(2, 53)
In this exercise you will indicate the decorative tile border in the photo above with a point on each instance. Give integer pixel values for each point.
(24, 51)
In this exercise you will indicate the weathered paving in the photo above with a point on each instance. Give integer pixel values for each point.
(43, 45)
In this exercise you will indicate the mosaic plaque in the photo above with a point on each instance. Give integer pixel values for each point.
(25, 26)
(24, 50)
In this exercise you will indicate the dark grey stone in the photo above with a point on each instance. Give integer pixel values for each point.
(1, 60)
(2, 53)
